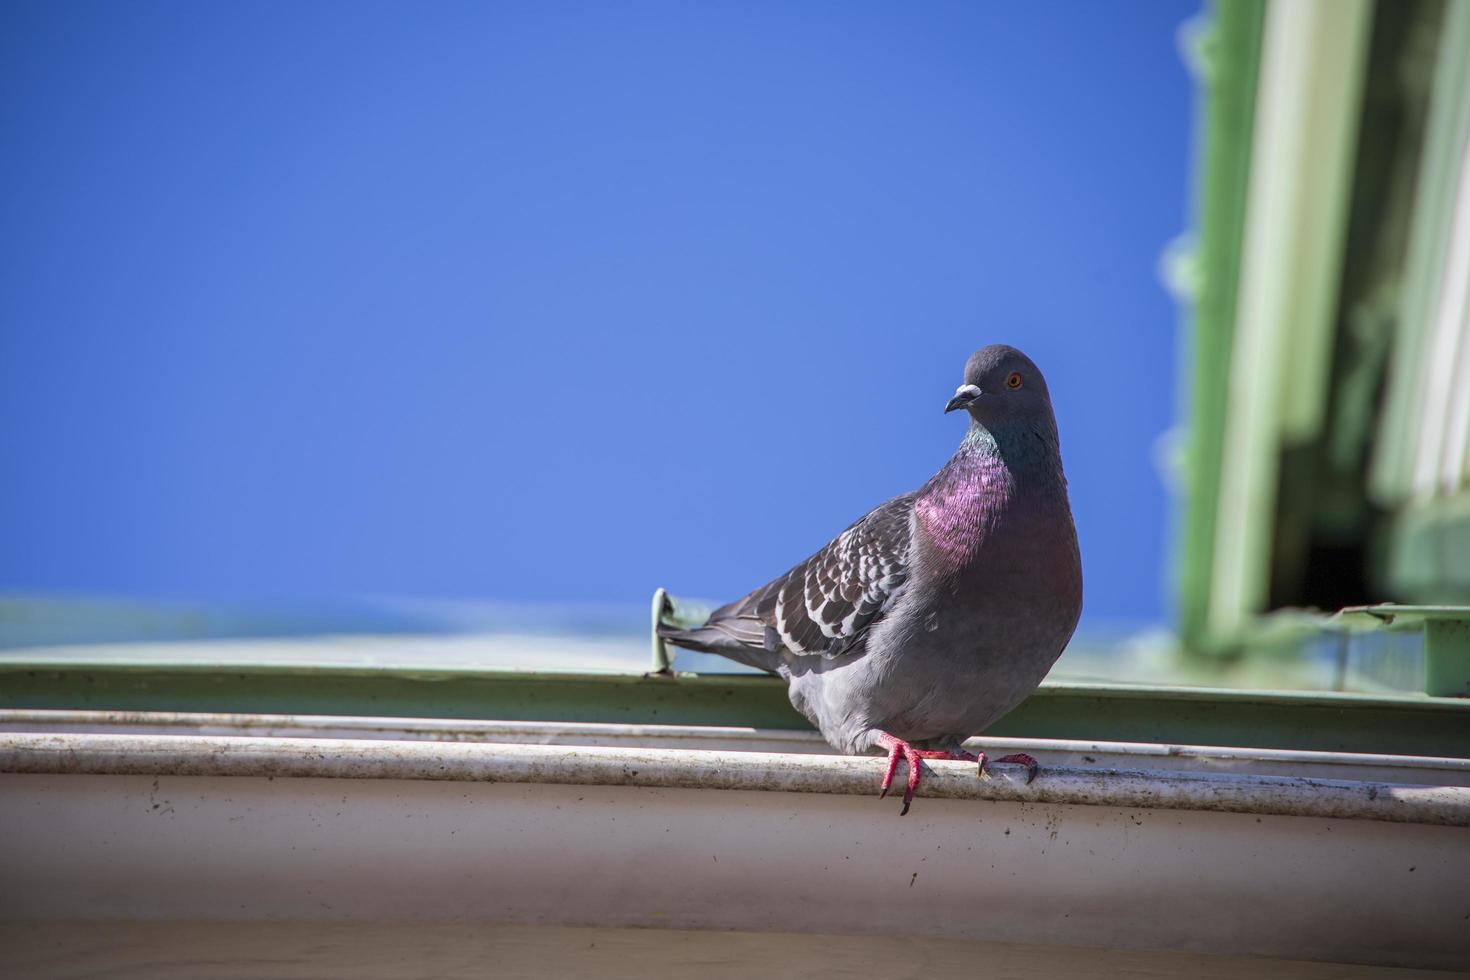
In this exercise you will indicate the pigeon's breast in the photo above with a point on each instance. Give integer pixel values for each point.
(956, 516)
(967, 651)
(1028, 566)
(980, 520)
(1000, 598)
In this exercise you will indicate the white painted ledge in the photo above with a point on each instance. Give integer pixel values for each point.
(387, 759)
(1090, 755)
(425, 824)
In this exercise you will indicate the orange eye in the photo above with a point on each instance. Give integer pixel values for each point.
(1014, 381)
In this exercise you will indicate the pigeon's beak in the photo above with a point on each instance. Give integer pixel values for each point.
(963, 395)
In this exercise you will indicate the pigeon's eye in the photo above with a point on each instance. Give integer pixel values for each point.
(1014, 381)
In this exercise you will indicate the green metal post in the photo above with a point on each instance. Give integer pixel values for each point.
(1447, 658)
(1232, 58)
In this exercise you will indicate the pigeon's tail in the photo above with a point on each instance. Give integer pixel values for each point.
(730, 631)
(712, 639)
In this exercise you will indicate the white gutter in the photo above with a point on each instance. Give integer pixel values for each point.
(187, 831)
(1091, 755)
(180, 755)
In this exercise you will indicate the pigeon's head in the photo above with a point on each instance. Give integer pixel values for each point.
(1001, 383)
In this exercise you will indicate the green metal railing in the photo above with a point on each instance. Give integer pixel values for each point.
(1403, 724)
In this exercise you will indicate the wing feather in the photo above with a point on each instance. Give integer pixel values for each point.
(827, 603)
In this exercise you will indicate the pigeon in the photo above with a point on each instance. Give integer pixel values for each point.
(938, 611)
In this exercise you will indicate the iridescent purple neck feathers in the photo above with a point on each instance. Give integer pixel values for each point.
(991, 474)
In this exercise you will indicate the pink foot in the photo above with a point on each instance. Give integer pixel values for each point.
(898, 747)
(1018, 759)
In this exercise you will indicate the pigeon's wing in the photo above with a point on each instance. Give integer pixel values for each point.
(827, 603)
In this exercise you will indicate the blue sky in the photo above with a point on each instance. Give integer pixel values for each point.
(564, 301)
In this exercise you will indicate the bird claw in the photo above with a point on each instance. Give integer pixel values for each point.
(898, 747)
(1022, 759)
(1017, 759)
